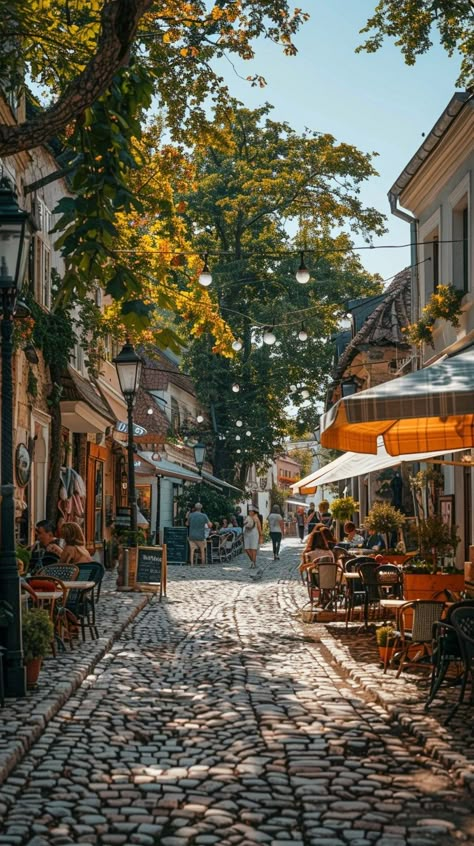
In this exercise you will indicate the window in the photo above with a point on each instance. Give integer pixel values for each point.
(42, 254)
(431, 262)
(99, 501)
(461, 246)
(175, 415)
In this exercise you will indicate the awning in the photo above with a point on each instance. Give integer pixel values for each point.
(208, 477)
(169, 469)
(430, 409)
(83, 409)
(356, 464)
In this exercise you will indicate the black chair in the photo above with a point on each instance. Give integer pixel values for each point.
(2, 683)
(462, 619)
(446, 650)
(367, 570)
(82, 602)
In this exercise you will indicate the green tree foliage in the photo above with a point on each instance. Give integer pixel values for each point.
(304, 457)
(214, 503)
(256, 177)
(413, 26)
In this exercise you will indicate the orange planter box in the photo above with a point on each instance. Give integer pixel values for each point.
(426, 586)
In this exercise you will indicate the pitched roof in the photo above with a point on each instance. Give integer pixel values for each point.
(160, 370)
(384, 326)
(76, 389)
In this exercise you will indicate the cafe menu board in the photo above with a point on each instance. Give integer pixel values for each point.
(151, 567)
(176, 540)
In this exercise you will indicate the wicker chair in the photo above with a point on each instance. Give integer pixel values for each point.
(65, 572)
(65, 623)
(390, 581)
(425, 612)
(463, 624)
(445, 649)
(324, 582)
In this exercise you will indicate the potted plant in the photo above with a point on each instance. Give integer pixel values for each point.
(384, 519)
(385, 637)
(423, 576)
(38, 633)
(342, 509)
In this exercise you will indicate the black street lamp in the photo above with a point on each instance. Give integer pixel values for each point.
(15, 235)
(199, 453)
(129, 367)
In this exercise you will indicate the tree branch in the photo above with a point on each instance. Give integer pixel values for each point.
(119, 23)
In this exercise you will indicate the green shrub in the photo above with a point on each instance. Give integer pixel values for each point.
(384, 635)
(38, 632)
(344, 507)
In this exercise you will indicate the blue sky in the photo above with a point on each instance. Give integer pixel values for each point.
(373, 101)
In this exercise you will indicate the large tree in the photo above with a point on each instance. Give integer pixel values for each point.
(413, 24)
(256, 181)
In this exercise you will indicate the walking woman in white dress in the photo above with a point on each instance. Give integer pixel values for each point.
(252, 535)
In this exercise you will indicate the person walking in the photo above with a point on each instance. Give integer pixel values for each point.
(312, 517)
(252, 535)
(277, 530)
(300, 522)
(197, 522)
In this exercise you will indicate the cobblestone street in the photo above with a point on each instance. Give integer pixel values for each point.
(217, 718)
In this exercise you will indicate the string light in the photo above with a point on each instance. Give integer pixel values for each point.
(237, 345)
(293, 388)
(236, 388)
(237, 437)
(205, 276)
(248, 433)
(199, 418)
(239, 423)
(269, 336)
(302, 274)
(149, 411)
(238, 450)
(305, 393)
(302, 334)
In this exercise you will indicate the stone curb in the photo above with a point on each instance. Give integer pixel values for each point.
(424, 727)
(45, 710)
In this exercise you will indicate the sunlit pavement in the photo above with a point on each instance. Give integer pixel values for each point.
(218, 718)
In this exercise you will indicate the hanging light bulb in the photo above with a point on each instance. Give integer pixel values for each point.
(293, 388)
(302, 334)
(239, 423)
(237, 345)
(236, 388)
(149, 411)
(302, 274)
(248, 433)
(237, 437)
(238, 450)
(305, 393)
(205, 276)
(199, 418)
(269, 336)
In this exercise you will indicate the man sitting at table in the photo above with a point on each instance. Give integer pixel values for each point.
(351, 535)
(47, 549)
(374, 541)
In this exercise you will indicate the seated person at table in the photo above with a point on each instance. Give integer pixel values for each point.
(74, 551)
(320, 540)
(225, 527)
(374, 541)
(47, 548)
(237, 530)
(351, 535)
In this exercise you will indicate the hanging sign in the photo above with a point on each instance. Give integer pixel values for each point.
(122, 426)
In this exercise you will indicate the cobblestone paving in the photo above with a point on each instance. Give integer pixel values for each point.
(215, 720)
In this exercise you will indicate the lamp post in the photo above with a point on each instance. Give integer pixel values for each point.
(15, 235)
(129, 367)
(199, 453)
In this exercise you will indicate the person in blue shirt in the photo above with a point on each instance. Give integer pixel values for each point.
(374, 541)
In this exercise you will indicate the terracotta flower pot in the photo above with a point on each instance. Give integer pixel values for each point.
(33, 668)
(386, 653)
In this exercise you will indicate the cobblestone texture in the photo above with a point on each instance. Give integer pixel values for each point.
(218, 719)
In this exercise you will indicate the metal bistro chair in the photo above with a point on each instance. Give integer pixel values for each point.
(463, 623)
(323, 582)
(82, 602)
(445, 649)
(425, 612)
(65, 623)
(215, 548)
(355, 592)
(366, 567)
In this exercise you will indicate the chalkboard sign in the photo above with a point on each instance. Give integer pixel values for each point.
(151, 566)
(123, 517)
(176, 540)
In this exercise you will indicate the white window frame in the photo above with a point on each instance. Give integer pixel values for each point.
(427, 231)
(461, 193)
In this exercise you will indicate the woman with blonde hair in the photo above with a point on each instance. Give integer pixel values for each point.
(74, 551)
